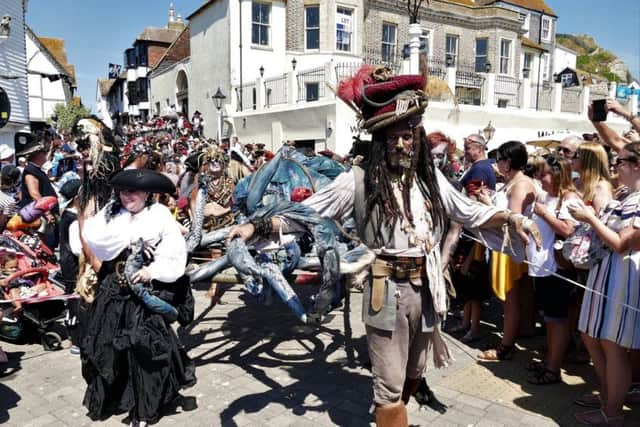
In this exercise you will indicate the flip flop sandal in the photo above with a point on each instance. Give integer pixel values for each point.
(545, 377)
(589, 401)
(502, 352)
(597, 417)
(536, 366)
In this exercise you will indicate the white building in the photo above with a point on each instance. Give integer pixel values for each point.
(563, 57)
(13, 69)
(51, 79)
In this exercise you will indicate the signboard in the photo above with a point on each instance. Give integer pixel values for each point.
(5, 108)
(114, 71)
(622, 92)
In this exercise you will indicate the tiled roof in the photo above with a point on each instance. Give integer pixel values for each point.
(56, 48)
(161, 35)
(179, 50)
(470, 3)
(537, 5)
(527, 42)
(105, 86)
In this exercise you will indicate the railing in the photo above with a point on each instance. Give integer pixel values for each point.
(437, 68)
(570, 102)
(598, 91)
(246, 99)
(375, 57)
(506, 91)
(541, 97)
(275, 90)
(346, 69)
(468, 85)
(311, 84)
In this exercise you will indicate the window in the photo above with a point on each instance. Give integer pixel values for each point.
(481, 55)
(505, 56)
(566, 79)
(527, 61)
(388, 42)
(545, 66)
(130, 58)
(344, 29)
(424, 42)
(157, 108)
(451, 47)
(260, 17)
(132, 94)
(312, 91)
(142, 89)
(546, 28)
(141, 53)
(312, 27)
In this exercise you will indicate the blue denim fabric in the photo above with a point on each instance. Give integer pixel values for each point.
(154, 303)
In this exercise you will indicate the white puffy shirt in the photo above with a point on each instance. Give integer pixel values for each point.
(154, 224)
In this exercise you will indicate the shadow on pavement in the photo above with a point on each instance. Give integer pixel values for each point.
(321, 379)
(8, 398)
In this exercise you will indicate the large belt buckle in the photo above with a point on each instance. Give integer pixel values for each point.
(119, 269)
(402, 269)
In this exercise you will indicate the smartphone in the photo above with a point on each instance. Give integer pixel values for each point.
(599, 110)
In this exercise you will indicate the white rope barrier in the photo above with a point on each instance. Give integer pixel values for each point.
(559, 276)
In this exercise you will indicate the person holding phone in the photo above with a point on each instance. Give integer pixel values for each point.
(609, 136)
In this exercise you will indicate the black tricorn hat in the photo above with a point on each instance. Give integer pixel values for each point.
(143, 180)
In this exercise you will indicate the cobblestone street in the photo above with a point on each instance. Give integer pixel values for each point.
(258, 366)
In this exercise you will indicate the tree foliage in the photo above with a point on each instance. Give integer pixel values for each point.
(65, 115)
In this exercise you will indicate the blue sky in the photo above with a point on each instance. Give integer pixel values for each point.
(97, 31)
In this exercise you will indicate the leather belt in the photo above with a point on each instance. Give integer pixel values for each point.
(400, 268)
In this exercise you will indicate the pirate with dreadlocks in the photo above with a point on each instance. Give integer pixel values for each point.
(400, 202)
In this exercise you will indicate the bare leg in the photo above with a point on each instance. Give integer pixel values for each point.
(599, 362)
(467, 315)
(557, 342)
(475, 316)
(511, 317)
(618, 374)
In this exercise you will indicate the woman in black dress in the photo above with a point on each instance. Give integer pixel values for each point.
(132, 360)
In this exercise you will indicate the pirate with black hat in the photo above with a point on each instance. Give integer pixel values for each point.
(400, 203)
(128, 327)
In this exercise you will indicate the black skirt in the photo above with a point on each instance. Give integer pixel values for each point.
(132, 360)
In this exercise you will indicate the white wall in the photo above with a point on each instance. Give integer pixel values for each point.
(562, 59)
(210, 60)
(164, 86)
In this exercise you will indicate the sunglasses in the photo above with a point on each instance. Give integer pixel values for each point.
(552, 162)
(565, 150)
(632, 159)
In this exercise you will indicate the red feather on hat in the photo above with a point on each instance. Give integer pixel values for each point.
(350, 89)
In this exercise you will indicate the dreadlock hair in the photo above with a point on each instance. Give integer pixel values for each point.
(379, 189)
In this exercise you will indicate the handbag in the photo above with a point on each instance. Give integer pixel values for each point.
(584, 249)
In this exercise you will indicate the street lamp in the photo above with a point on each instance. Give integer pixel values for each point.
(525, 72)
(487, 67)
(294, 62)
(261, 71)
(218, 99)
(449, 61)
(488, 132)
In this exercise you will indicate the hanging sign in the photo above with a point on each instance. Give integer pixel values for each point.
(5, 108)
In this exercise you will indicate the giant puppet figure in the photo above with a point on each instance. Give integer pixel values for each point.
(400, 202)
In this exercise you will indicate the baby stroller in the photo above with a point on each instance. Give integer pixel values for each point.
(34, 307)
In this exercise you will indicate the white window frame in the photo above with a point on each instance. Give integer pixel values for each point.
(509, 58)
(392, 44)
(547, 19)
(447, 53)
(352, 37)
(261, 24)
(546, 66)
(306, 29)
(526, 24)
(566, 78)
(426, 36)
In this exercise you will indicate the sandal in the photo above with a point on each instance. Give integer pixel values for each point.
(536, 366)
(469, 337)
(502, 352)
(589, 401)
(598, 417)
(545, 377)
